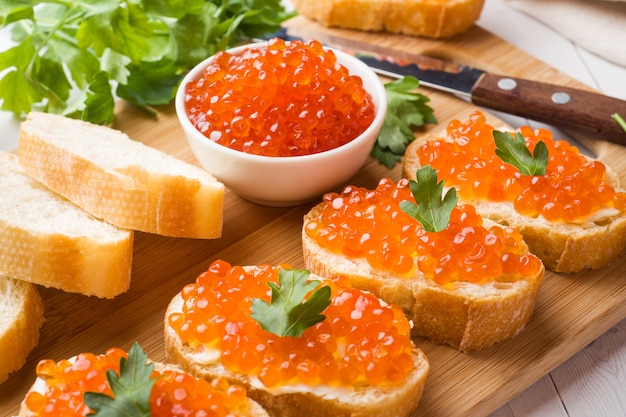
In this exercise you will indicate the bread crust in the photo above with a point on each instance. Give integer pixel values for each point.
(22, 310)
(566, 248)
(394, 401)
(464, 315)
(69, 250)
(428, 18)
(127, 183)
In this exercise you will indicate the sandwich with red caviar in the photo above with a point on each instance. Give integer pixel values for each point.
(118, 383)
(296, 342)
(570, 208)
(461, 279)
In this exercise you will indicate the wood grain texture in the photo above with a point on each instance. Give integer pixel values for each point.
(571, 311)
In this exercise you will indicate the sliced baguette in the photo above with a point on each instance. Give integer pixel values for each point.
(563, 247)
(120, 180)
(252, 409)
(396, 400)
(464, 315)
(21, 316)
(47, 240)
(429, 18)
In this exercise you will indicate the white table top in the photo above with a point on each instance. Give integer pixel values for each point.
(592, 382)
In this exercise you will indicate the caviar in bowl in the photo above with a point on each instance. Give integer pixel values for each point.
(231, 132)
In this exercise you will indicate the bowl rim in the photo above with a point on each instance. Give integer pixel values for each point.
(377, 88)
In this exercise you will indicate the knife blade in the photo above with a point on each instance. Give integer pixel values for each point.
(586, 112)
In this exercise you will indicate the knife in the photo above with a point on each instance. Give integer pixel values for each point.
(586, 112)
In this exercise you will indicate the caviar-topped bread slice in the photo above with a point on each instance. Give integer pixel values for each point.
(467, 282)
(80, 386)
(297, 343)
(572, 213)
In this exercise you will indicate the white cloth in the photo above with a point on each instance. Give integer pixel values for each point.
(599, 26)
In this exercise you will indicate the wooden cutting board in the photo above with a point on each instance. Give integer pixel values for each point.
(571, 311)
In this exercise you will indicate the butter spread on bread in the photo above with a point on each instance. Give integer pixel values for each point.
(47, 240)
(359, 360)
(21, 316)
(469, 285)
(429, 18)
(576, 221)
(120, 180)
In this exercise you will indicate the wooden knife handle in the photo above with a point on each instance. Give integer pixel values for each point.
(586, 111)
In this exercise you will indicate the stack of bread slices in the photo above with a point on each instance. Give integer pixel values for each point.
(71, 200)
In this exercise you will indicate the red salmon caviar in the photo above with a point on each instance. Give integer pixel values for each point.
(173, 394)
(285, 99)
(370, 224)
(362, 340)
(572, 189)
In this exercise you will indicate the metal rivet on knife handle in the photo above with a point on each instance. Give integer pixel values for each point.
(507, 84)
(560, 97)
(579, 110)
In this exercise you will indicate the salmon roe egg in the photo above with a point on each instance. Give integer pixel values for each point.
(572, 190)
(370, 224)
(283, 99)
(361, 341)
(173, 394)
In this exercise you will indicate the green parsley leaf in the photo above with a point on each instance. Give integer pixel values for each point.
(191, 34)
(513, 150)
(121, 29)
(174, 8)
(98, 102)
(406, 110)
(433, 208)
(14, 11)
(82, 65)
(156, 86)
(287, 314)
(142, 48)
(620, 121)
(131, 389)
(16, 92)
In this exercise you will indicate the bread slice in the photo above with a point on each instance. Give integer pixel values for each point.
(21, 316)
(119, 180)
(47, 240)
(391, 400)
(465, 315)
(563, 247)
(249, 408)
(429, 18)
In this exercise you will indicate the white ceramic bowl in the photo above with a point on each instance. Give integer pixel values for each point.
(285, 181)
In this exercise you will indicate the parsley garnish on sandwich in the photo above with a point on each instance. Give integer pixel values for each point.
(433, 208)
(513, 150)
(288, 313)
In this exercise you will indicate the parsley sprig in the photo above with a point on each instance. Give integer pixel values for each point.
(406, 109)
(620, 120)
(71, 58)
(288, 314)
(131, 388)
(433, 208)
(513, 150)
